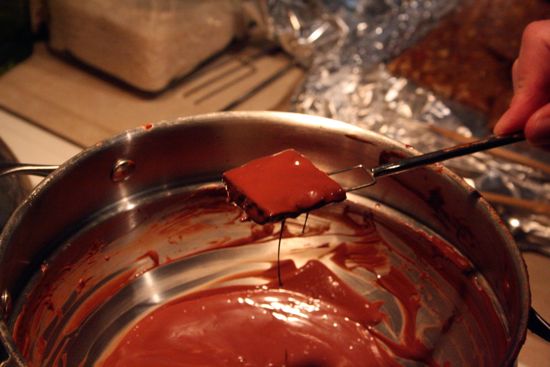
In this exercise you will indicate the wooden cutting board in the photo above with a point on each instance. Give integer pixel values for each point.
(85, 107)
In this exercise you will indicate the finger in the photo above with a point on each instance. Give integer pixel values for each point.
(537, 129)
(531, 79)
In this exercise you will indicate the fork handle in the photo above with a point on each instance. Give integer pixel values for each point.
(492, 141)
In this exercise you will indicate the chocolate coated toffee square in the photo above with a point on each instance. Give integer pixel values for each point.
(281, 185)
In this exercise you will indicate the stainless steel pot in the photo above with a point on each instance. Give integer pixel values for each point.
(112, 178)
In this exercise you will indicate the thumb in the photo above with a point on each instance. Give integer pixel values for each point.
(537, 129)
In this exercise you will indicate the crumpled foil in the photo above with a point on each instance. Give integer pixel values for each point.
(344, 45)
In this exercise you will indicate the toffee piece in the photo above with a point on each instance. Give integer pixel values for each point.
(281, 185)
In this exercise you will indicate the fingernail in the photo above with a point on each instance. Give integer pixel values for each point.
(539, 134)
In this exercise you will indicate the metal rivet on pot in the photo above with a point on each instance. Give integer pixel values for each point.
(5, 300)
(122, 169)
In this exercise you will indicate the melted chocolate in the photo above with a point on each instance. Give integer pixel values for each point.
(316, 320)
(319, 318)
(282, 185)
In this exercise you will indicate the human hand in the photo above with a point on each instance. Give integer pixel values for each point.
(530, 107)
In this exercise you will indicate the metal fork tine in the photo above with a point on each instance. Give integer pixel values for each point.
(345, 169)
(357, 166)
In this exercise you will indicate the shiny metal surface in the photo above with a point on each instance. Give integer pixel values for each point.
(122, 170)
(12, 189)
(530, 235)
(9, 168)
(406, 164)
(159, 233)
(197, 149)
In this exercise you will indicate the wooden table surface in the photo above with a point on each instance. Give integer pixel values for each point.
(85, 107)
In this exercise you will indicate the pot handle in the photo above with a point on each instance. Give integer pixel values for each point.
(538, 325)
(8, 362)
(5, 359)
(9, 168)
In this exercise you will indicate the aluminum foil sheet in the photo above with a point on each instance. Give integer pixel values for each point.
(345, 32)
(345, 43)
